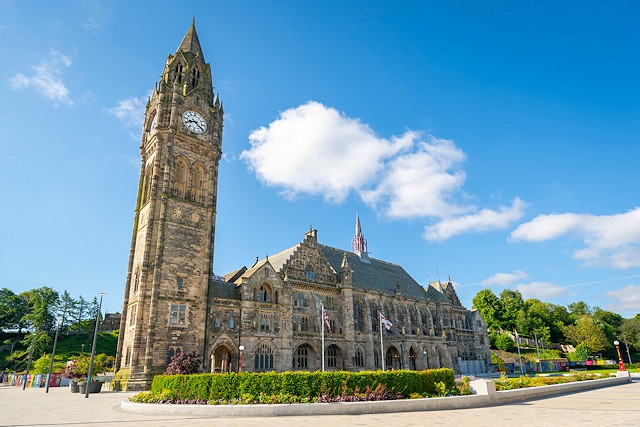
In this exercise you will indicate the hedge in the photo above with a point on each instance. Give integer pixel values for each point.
(249, 386)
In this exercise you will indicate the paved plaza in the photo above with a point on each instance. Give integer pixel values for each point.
(608, 406)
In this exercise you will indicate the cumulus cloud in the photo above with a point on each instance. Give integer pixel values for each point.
(46, 79)
(505, 279)
(541, 290)
(609, 240)
(627, 299)
(483, 220)
(130, 111)
(316, 150)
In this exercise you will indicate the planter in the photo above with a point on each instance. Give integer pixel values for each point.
(73, 386)
(94, 387)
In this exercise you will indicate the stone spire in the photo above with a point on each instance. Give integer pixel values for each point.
(359, 243)
(190, 43)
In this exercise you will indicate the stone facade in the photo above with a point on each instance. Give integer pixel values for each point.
(273, 310)
(265, 317)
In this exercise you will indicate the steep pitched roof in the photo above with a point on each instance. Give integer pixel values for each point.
(379, 275)
(190, 43)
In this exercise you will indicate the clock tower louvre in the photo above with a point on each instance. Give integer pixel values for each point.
(172, 246)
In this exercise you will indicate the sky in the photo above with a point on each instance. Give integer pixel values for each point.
(495, 143)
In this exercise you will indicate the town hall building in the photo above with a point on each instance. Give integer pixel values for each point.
(306, 307)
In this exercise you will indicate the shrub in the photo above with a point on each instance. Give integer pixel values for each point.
(288, 387)
(504, 342)
(184, 364)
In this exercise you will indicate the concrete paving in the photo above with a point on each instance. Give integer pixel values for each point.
(608, 406)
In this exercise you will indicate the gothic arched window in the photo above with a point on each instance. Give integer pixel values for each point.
(195, 74)
(180, 184)
(146, 186)
(179, 73)
(263, 358)
(301, 358)
(197, 184)
(359, 356)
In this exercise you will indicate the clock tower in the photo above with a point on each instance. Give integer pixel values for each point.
(171, 256)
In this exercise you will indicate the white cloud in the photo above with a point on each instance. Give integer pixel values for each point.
(505, 279)
(47, 79)
(316, 150)
(130, 111)
(610, 240)
(483, 220)
(628, 299)
(541, 290)
(420, 182)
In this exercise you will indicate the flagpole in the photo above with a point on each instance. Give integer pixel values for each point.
(322, 323)
(381, 343)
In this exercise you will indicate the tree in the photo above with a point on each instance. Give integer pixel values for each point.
(13, 308)
(40, 318)
(512, 304)
(587, 332)
(578, 309)
(630, 329)
(487, 303)
(65, 310)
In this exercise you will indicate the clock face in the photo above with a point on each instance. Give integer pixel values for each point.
(194, 121)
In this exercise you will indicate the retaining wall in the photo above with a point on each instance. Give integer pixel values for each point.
(485, 395)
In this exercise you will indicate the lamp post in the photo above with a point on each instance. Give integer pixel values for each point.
(93, 347)
(620, 362)
(82, 352)
(241, 348)
(53, 354)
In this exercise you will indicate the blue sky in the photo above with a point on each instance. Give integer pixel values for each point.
(493, 142)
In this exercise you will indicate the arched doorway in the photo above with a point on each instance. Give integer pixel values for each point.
(392, 359)
(221, 360)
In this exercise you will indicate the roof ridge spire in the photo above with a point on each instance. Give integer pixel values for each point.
(359, 243)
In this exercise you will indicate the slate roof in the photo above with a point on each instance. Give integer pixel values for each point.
(380, 275)
(223, 290)
(377, 275)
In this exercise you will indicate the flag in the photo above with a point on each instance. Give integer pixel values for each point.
(387, 324)
(326, 320)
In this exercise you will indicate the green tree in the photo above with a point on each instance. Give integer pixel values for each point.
(609, 321)
(588, 332)
(40, 318)
(578, 309)
(13, 308)
(512, 303)
(65, 310)
(487, 303)
(630, 329)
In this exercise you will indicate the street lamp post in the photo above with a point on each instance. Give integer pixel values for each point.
(620, 362)
(93, 347)
(82, 350)
(53, 354)
(241, 348)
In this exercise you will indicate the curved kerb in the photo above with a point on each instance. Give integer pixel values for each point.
(485, 395)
